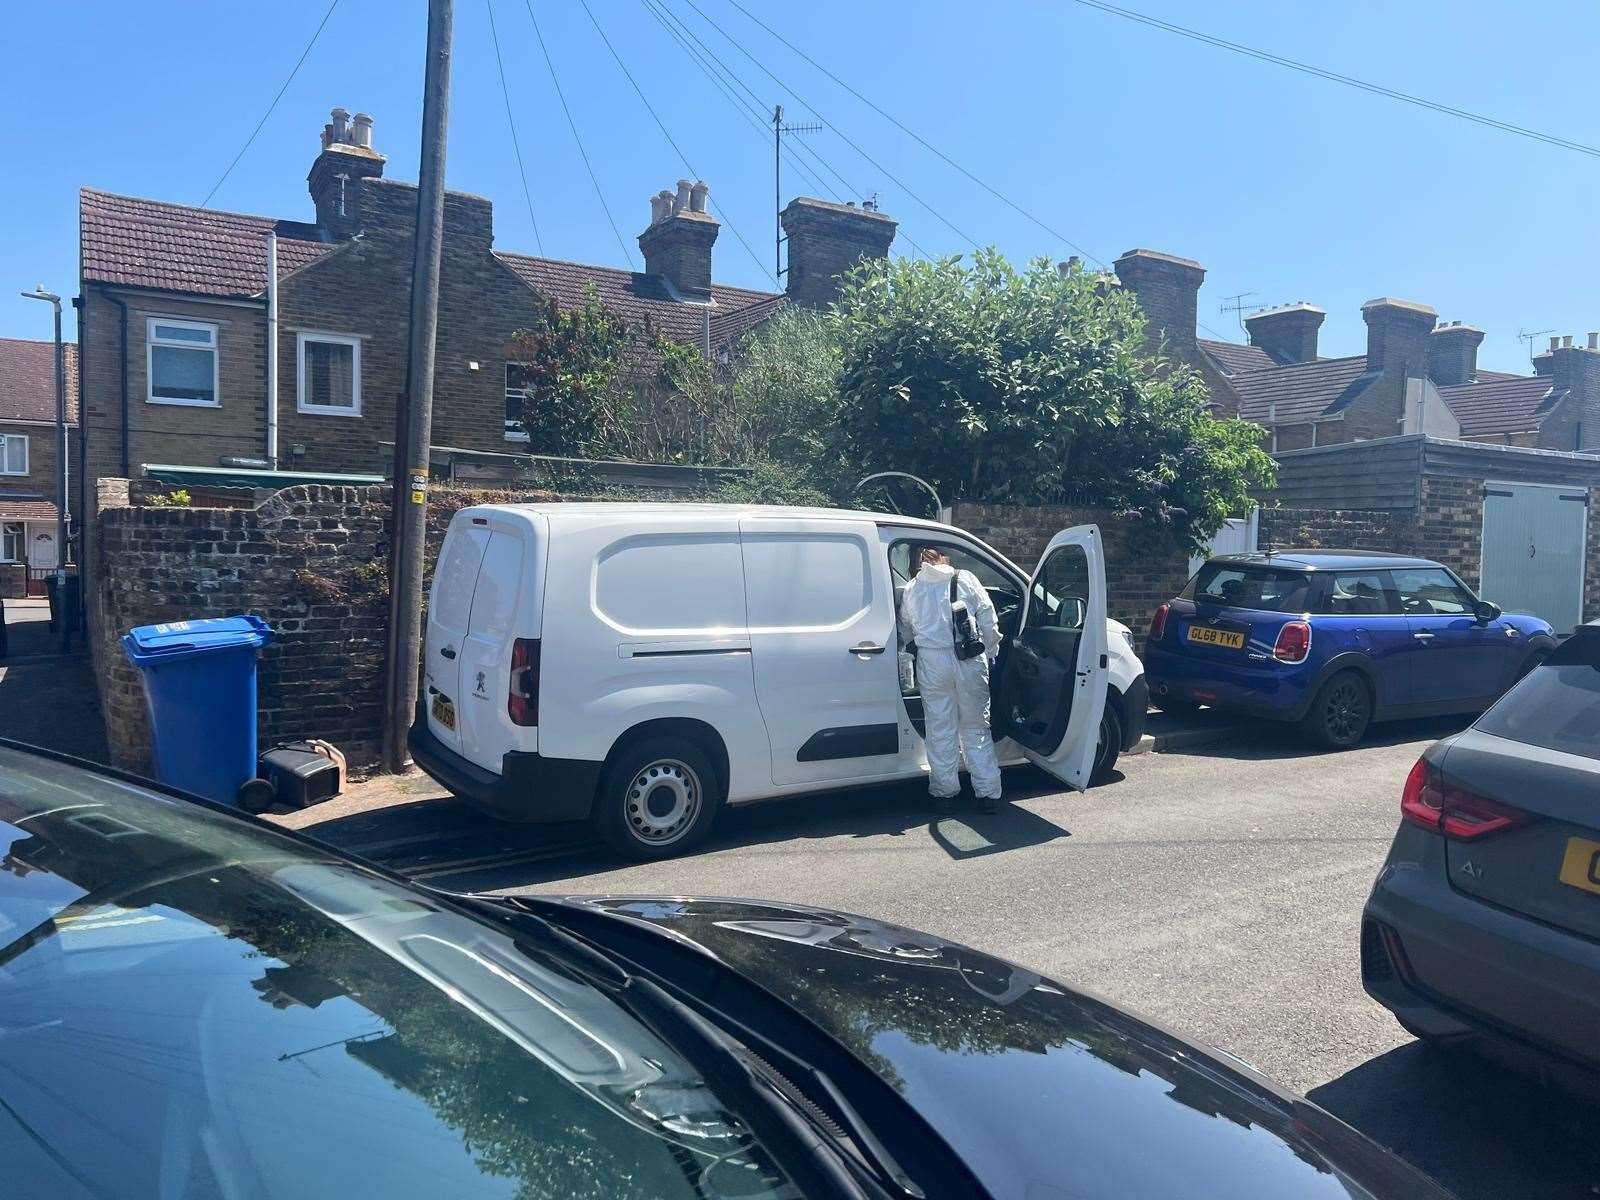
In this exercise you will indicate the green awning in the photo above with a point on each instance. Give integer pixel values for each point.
(247, 477)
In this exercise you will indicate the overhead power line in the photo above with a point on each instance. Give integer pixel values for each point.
(1377, 89)
(671, 141)
(627, 255)
(516, 143)
(295, 70)
(916, 137)
(669, 22)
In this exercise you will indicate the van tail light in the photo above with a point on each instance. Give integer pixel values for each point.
(1294, 642)
(1455, 812)
(523, 700)
(1158, 623)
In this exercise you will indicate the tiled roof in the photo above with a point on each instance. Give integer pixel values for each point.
(641, 300)
(1296, 391)
(28, 380)
(730, 326)
(177, 247)
(1508, 404)
(18, 506)
(1234, 359)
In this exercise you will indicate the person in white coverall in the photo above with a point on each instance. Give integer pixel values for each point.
(955, 692)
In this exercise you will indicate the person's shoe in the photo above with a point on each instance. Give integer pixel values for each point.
(988, 804)
(944, 805)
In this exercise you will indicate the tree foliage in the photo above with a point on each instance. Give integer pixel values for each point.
(1032, 387)
(573, 372)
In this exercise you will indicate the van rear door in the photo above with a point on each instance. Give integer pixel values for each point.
(455, 579)
(482, 710)
(1052, 685)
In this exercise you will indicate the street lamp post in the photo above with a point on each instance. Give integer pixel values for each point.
(63, 616)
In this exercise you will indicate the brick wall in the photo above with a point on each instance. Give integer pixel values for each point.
(1142, 570)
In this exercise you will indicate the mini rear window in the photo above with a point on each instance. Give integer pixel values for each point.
(1557, 706)
(1266, 589)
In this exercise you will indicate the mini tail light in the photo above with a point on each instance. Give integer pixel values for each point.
(1455, 812)
(522, 702)
(1294, 643)
(1158, 623)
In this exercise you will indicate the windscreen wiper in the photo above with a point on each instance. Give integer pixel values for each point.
(721, 1059)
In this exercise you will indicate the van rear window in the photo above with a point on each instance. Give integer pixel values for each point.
(1266, 589)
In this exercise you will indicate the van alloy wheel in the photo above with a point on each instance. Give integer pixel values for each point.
(662, 801)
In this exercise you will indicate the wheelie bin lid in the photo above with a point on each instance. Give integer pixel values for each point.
(180, 639)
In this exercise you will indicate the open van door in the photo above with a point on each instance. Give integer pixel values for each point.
(1051, 689)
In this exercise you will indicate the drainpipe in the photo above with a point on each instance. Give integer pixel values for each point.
(272, 350)
(123, 373)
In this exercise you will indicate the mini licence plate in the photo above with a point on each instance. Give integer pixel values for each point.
(1580, 866)
(444, 711)
(1228, 638)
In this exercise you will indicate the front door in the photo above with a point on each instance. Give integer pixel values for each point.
(822, 642)
(1052, 686)
(1460, 659)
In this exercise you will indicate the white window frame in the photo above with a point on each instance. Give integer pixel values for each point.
(21, 536)
(513, 435)
(26, 461)
(353, 409)
(151, 341)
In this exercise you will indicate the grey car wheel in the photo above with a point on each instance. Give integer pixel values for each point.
(1339, 716)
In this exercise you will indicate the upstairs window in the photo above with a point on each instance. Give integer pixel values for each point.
(328, 374)
(13, 454)
(181, 362)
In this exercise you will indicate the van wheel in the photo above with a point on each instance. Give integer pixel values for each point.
(1109, 746)
(657, 799)
(1339, 716)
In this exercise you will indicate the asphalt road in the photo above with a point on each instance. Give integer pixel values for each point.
(1216, 890)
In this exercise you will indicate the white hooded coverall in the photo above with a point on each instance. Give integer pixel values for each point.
(955, 692)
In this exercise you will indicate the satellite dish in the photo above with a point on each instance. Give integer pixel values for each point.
(900, 492)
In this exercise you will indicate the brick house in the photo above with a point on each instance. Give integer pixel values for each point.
(1417, 376)
(28, 457)
(173, 314)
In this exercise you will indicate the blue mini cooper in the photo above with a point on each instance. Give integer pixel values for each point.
(1335, 639)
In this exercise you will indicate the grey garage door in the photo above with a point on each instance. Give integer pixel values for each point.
(1533, 550)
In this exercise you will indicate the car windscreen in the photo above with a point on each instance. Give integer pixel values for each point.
(1557, 705)
(191, 1006)
(1237, 585)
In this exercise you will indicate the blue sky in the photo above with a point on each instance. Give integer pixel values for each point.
(1112, 133)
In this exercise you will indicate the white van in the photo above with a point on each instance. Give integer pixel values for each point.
(639, 665)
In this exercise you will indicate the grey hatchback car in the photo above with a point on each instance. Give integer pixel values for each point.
(1484, 924)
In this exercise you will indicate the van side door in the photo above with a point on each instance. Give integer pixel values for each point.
(822, 642)
(1052, 686)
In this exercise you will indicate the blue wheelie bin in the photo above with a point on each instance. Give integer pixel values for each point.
(200, 686)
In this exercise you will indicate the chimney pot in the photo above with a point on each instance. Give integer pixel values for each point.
(363, 130)
(341, 125)
(697, 196)
(659, 206)
(1555, 343)
(680, 202)
(1594, 341)
(1566, 342)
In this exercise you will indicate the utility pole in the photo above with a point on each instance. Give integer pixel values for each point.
(65, 616)
(778, 130)
(414, 416)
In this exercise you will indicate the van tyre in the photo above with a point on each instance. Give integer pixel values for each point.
(1339, 716)
(657, 799)
(1109, 747)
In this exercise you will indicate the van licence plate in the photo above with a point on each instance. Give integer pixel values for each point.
(444, 711)
(1228, 638)
(1580, 866)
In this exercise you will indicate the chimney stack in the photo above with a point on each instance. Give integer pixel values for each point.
(1397, 335)
(1576, 370)
(826, 241)
(677, 245)
(1288, 333)
(335, 180)
(1168, 290)
(1453, 354)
